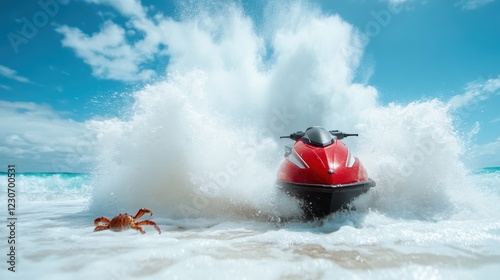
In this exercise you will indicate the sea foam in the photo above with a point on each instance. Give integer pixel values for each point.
(204, 140)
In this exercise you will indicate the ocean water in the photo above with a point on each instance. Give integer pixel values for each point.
(200, 149)
(55, 240)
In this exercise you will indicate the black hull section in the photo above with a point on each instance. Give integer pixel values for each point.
(319, 201)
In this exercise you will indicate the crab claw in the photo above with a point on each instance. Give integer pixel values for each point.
(101, 220)
(141, 212)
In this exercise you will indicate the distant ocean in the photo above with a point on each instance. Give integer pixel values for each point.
(55, 239)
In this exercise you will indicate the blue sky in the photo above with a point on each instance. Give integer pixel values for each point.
(65, 62)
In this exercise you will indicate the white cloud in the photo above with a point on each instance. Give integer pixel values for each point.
(470, 102)
(399, 3)
(4, 87)
(475, 92)
(473, 4)
(464, 4)
(107, 52)
(110, 53)
(12, 74)
(125, 7)
(36, 138)
(486, 155)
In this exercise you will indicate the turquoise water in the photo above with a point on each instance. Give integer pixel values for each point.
(487, 170)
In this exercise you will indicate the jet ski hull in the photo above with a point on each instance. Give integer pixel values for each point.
(319, 201)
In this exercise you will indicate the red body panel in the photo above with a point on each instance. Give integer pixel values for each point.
(321, 165)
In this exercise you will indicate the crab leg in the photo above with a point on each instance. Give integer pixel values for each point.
(99, 228)
(149, 223)
(136, 227)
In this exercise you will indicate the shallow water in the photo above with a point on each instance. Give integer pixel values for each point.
(56, 240)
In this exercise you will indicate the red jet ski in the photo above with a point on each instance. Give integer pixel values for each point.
(320, 171)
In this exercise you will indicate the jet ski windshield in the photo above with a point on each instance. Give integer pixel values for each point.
(318, 136)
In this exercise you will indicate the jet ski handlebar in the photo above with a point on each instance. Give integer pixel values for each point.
(339, 134)
(295, 136)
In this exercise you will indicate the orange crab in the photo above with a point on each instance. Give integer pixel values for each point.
(125, 221)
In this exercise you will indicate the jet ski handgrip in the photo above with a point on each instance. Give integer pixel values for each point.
(350, 134)
(341, 135)
(294, 136)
